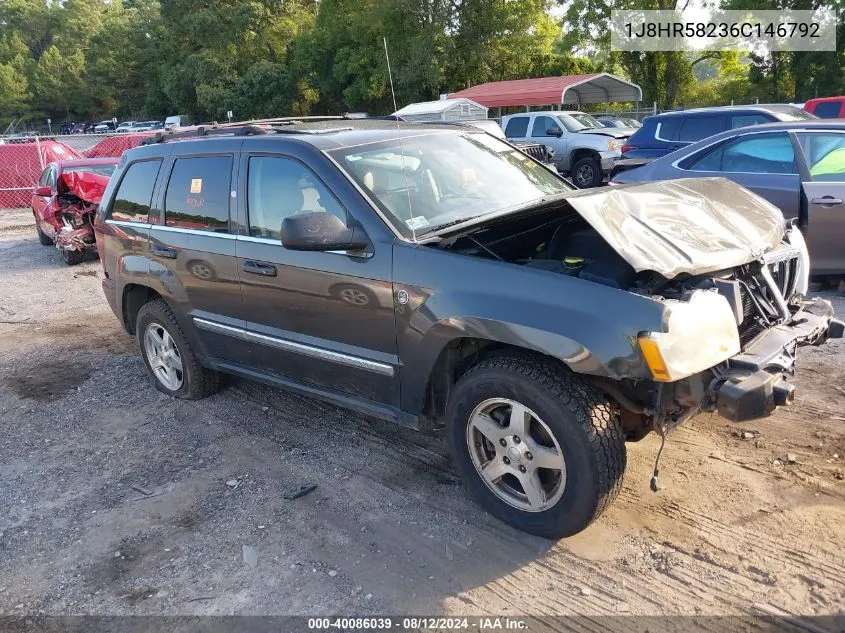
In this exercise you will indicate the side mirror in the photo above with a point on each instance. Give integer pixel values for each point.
(554, 131)
(321, 231)
(44, 192)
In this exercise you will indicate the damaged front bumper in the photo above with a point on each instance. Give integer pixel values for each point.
(755, 382)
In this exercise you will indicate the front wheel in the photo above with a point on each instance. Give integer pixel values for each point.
(586, 173)
(537, 446)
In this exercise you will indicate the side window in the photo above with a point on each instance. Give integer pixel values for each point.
(667, 130)
(51, 177)
(542, 124)
(827, 109)
(280, 187)
(198, 194)
(45, 175)
(695, 128)
(757, 154)
(825, 153)
(134, 195)
(743, 120)
(517, 127)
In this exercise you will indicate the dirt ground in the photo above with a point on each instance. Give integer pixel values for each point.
(115, 499)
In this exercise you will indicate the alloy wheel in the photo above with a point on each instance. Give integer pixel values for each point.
(163, 356)
(516, 454)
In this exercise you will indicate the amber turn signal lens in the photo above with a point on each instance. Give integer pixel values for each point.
(654, 359)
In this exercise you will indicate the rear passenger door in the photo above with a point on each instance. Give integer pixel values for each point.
(324, 318)
(193, 249)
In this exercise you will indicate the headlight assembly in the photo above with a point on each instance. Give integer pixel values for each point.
(700, 333)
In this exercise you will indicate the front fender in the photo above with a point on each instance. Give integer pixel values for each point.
(590, 327)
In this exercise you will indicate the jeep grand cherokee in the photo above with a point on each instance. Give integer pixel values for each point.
(432, 275)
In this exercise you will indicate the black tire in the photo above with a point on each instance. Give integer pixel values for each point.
(583, 422)
(43, 238)
(586, 173)
(72, 258)
(197, 381)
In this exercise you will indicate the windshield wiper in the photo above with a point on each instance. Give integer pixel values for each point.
(438, 227)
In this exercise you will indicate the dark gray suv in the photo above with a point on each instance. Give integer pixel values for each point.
(431, 275)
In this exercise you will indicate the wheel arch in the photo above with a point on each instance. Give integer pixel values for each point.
(582, 152)
(133, 298)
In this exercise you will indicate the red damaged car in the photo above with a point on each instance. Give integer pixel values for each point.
(64, 202)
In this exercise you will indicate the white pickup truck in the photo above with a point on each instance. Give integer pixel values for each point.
(583, 148)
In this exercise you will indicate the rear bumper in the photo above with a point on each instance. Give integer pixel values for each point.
(755, 382)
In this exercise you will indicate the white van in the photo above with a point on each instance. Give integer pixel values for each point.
(177, 120)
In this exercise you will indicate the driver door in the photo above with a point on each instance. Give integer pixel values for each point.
(324, 318)
(557, 139)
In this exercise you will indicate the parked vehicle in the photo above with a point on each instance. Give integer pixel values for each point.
(543, 330)
(670, 131)
(104, 126)
(79, 128)
(177, 120)
(615, 121)
(64, 201)
(797, 166)
(826, 107)
(538, 151)
(146, 126)
(66, 128)
(126, 126)
(583, 147)
(21, 137)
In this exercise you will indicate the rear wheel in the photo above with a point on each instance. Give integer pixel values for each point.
(43, 238)
(168, 356)
(586, 173)
(537, 446)
(72, 258)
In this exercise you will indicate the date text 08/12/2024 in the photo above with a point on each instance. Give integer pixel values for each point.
(419, 622)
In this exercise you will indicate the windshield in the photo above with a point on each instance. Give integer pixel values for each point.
(577, 121)
(102, 170)
(439, 179)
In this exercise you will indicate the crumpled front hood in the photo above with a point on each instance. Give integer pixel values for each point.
(692, 226)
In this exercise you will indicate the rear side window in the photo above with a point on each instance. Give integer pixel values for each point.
(754, 153)
(517, 127)
(696, 128)
(135, 193)
(45, 175)
(643, 135)
(743, 120)
(198, 194)
(827, 109)
(667, 130)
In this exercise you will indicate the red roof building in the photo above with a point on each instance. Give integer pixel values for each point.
(544, 91)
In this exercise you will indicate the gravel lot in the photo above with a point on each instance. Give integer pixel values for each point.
(118, 500)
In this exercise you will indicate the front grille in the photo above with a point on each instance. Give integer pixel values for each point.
(759, 302)
(536, 151)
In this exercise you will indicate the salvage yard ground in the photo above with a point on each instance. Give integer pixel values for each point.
(115, 499)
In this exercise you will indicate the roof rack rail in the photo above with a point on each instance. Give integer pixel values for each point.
(287, 120)
(203, 131)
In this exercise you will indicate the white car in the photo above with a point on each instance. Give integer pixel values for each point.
(583, 147)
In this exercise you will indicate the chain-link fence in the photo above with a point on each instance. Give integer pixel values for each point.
(23, 159)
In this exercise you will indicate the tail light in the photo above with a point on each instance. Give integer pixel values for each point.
(626, 148)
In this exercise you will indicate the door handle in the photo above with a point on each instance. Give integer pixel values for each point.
(163, 251)
(257, 268)
(826, 201)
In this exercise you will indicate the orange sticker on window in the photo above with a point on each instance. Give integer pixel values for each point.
(196, 185)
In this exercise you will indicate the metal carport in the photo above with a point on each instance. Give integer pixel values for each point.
(544, 91)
